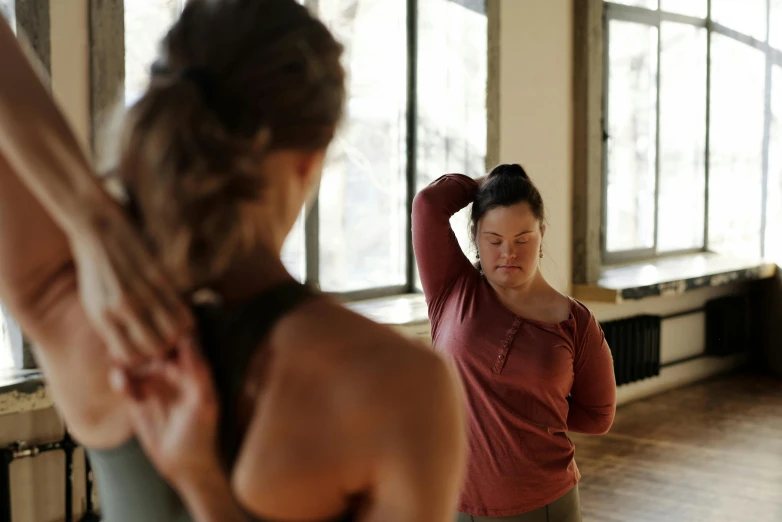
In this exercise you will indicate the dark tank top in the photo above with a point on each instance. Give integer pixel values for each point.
(129, 487)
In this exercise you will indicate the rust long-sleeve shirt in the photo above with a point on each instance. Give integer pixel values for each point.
(527, 382)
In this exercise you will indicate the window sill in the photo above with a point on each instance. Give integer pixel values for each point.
(397, 310)
(25, 390)
(22, 391)
(671, 276)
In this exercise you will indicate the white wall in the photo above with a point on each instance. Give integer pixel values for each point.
(536, 130)
(536, 121)
(70, 63)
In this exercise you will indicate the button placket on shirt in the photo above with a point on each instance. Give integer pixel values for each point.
(502, 356)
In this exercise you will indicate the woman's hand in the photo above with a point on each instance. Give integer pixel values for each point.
(123, 288)
(174, 410)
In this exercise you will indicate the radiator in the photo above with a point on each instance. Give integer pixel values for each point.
(727, 325)
(21, 450)
(635, 346)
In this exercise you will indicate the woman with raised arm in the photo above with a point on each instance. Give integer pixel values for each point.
(206, 383)
(534, 362)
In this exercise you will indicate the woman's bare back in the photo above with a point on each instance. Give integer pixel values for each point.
(349, 407)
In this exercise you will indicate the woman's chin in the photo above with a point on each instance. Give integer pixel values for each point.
(508, 277)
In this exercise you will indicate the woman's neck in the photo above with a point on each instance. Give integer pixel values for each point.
(516, 296)
(256, 271)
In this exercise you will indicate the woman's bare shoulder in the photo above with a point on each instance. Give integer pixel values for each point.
(354, 401)
(371, 359)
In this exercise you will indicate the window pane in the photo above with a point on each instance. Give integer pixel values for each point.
(736, 147)
(293, 250)
(744, 16)
(632, 95)
(146, 23)
(363, 194)
(775, 31)
(649, 4)
(774, 201)
(682, 137)
(697, 8)
(8, 11)
(452, 62)
(10, 338)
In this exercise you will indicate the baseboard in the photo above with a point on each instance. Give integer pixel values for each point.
(676, 376)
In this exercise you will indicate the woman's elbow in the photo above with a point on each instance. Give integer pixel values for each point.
(422, 201)
(603, 423)
(594, 422)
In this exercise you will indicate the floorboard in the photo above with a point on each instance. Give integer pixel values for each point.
(710, 452)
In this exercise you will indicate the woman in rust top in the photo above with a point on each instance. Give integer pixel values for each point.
(534, 362)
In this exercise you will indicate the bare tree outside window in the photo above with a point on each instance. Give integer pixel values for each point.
(736, 152)
(692, 129)
(632, 153)
(363, 192)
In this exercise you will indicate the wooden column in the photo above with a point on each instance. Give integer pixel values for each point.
(493, 84)
(33, 21)
(107, 60)
(588, 66)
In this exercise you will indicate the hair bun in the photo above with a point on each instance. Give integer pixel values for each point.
(508, 169)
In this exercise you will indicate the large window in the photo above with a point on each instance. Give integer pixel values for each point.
(692, 134)
(416, 109)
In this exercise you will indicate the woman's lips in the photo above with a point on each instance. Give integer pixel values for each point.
(508, 267)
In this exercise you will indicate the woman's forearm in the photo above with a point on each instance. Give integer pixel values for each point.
(38, 144)
(591, 421)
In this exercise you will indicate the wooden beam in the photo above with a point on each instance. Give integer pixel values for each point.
(493, 84)
(587, 140)
(107, 60)
(33, 22)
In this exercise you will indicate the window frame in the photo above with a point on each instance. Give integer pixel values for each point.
(655, 18)
(32, 23)
(108, 53)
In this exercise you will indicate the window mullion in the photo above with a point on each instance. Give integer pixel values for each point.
(657, 140)
(312, 217)
(707, 160)
(412, 116)
(312, 243)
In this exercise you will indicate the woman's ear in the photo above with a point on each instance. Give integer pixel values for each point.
(542, 229)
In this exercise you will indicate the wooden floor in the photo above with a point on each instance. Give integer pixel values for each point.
(711, 452)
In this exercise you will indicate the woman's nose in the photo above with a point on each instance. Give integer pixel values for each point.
(509, 251)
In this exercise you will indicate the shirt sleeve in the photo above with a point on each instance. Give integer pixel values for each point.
(593, 395)
(439, 257)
